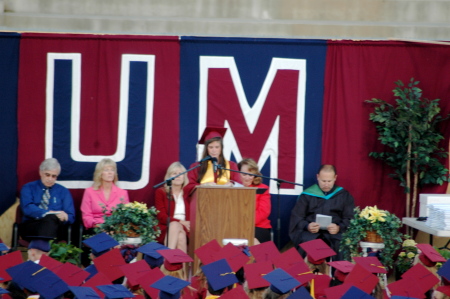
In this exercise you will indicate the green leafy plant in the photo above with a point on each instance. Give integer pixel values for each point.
(65, 252)
(131, 220)
(405, 258)
(410, 130)
(385, 224)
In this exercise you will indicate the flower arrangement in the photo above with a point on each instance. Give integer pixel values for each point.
(132, 219)
(372, 219)
(406, 257)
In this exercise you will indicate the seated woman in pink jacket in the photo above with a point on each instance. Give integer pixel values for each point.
(103, 194)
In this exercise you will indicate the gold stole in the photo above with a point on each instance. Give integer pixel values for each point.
(209, 175)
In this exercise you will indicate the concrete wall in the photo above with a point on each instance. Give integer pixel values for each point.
(353, 19)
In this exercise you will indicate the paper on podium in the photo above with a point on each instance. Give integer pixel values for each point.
(323, 220)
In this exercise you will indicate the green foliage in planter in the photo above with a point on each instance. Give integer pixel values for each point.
(410, 130)
(132, 217)
(65, 252)
(387, 225)
(405, 258)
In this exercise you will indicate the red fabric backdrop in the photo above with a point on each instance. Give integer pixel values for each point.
(361, 70)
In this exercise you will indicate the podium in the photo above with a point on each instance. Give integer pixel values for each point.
(219, 212)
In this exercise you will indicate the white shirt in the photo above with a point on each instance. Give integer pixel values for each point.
(180, 211)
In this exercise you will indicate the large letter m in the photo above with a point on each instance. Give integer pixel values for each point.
(272, 127)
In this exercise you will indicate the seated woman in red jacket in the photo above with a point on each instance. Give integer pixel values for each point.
(178, 216)
(263, 204)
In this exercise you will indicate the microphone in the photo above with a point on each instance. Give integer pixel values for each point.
(214, 161)
(205, 159)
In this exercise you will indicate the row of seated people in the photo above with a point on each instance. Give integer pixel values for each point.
(229, 271)
(47, 205)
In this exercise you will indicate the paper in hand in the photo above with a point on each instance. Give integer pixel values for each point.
(323, 220)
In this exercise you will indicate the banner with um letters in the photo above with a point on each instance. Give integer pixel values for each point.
(85, 97)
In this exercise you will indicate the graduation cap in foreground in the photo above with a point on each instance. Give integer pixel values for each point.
(219, 274)
(317, 251)
(280, 281)
(170, 287)
(100, 243)
(115, 291)
(150, 254)
(429, 256)
(84, 292)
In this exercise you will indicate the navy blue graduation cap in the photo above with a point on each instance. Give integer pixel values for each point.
(151, 256)
(170, 287)
(354, 292)
(219, 274)
(84, 292)
(100, 243)
(300, 293)
(48, 284)
(280, 281)
(115, 291)
(22, 273)
(3, 247)
(40, 244)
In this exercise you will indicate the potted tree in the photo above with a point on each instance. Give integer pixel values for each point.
(410, 131)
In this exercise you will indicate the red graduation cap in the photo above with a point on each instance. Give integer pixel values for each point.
(211, 132)
(288, 258)
(207, 252)
(362, 278)
(317, 251)
(301, 272)
(134, 271)
(320, 283)
(255, 272)
(342, 269)
(237, 292)
(174, 258)
(425, 278)
(429, 256)
(71, 274)
(50, 263)
(109, 264)
(147, 280)
(234, 256)
(406, 287)
(265, 252)
(338, 291)
(371, 263)
(7, 261)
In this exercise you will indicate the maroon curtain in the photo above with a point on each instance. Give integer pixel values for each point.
(361, 70)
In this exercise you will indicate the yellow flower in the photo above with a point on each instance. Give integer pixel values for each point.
(402, 254)
(410, 255)
(409, 243)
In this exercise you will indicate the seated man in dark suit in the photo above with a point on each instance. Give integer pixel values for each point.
(46, 205)
(322, 198)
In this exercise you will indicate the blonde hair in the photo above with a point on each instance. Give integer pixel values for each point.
(252, 168)
(181, 273)
(172, 168)
(99, 169)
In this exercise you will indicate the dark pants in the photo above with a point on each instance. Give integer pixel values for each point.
(262, 234)
(49, 227)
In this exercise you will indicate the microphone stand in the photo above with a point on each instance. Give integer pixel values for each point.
(168, 182)
(279, 182)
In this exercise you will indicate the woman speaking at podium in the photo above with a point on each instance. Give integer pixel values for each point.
(208, 173)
